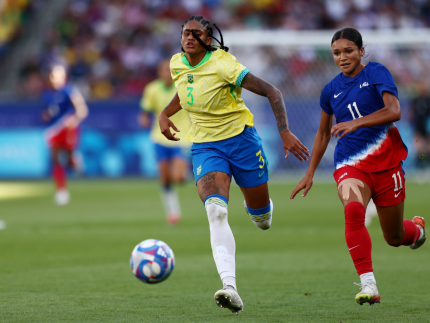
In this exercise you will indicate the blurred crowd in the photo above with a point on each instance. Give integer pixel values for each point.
(111, 47)
(13, 15)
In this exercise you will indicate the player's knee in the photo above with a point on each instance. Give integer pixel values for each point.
(393, 240)
(178, 178)
(350, 190)
(216, 213)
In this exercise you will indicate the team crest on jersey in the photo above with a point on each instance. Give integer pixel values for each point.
(199, 170)
(190, 78)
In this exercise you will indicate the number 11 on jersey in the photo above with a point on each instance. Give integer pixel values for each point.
(356, 109)
(396, 188)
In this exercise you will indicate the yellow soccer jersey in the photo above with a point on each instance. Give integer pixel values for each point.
(210, 92)
(156, 97)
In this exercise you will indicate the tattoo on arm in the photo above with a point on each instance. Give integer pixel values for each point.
(261, 87)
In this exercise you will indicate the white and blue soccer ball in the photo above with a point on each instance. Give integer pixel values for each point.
(152, 261)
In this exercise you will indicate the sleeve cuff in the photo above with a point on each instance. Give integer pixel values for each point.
(391, 90)
(241, 77)
(326, 110)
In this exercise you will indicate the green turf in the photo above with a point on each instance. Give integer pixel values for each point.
(71, 264)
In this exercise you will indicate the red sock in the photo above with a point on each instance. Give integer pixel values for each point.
(59, 175)
(357, 237)
(412, 233)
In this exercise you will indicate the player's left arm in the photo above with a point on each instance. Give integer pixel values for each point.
(81, 108)
(389, 113)
(290, 141)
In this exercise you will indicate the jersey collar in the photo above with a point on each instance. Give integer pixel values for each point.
(204, 60)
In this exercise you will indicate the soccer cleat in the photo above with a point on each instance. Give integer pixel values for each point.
(62, 196)
(420, 223)
(173, 219)
(369, 293)
(229, 298)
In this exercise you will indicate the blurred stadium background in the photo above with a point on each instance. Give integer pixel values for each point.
(111, 49)
(70, 264)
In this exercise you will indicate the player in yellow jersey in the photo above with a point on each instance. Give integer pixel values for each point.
(225, 143)
(171, 155)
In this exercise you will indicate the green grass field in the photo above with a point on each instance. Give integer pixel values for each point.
(71, 264)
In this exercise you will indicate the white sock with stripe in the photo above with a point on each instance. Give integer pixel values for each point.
(262, 218)
(222, 240)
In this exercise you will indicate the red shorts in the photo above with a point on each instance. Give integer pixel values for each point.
(67, 139)
(387, 186)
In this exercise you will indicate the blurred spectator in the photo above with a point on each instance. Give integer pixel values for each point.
(421, 122)
(112, 46)
(33, 83)
(13, 13)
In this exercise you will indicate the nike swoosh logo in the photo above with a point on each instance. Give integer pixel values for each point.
(354, 247)
(178, 72)
(395, 195)
(336, 95)
(259, 175)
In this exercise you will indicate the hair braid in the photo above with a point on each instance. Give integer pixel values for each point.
(206, 25)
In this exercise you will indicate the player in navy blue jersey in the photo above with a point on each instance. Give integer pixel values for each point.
(368, 155)
(65, 109)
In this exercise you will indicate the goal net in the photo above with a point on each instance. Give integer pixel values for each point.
(300, 64)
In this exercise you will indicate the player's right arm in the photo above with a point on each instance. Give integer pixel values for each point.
(321, 141)
(165, 123)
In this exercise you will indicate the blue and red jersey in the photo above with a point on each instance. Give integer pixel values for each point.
(59, 106)
(370, 149)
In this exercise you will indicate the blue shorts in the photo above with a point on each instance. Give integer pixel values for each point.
(241, 156)
(165, 153)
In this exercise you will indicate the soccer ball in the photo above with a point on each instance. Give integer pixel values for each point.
(152, 261)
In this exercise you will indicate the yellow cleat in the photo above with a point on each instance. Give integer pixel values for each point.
(369, 293)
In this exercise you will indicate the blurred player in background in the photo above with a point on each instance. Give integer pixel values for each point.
(171, 155)
(368, 156)
(420, 118)
(65, 110)
(225, 142)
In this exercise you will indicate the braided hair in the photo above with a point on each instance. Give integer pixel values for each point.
(206, 25)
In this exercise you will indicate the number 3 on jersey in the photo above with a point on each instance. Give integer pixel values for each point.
(356, 109)
(190, 89)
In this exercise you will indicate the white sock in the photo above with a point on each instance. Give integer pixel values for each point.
(171, 202)
(222, 243)
(367, 277)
